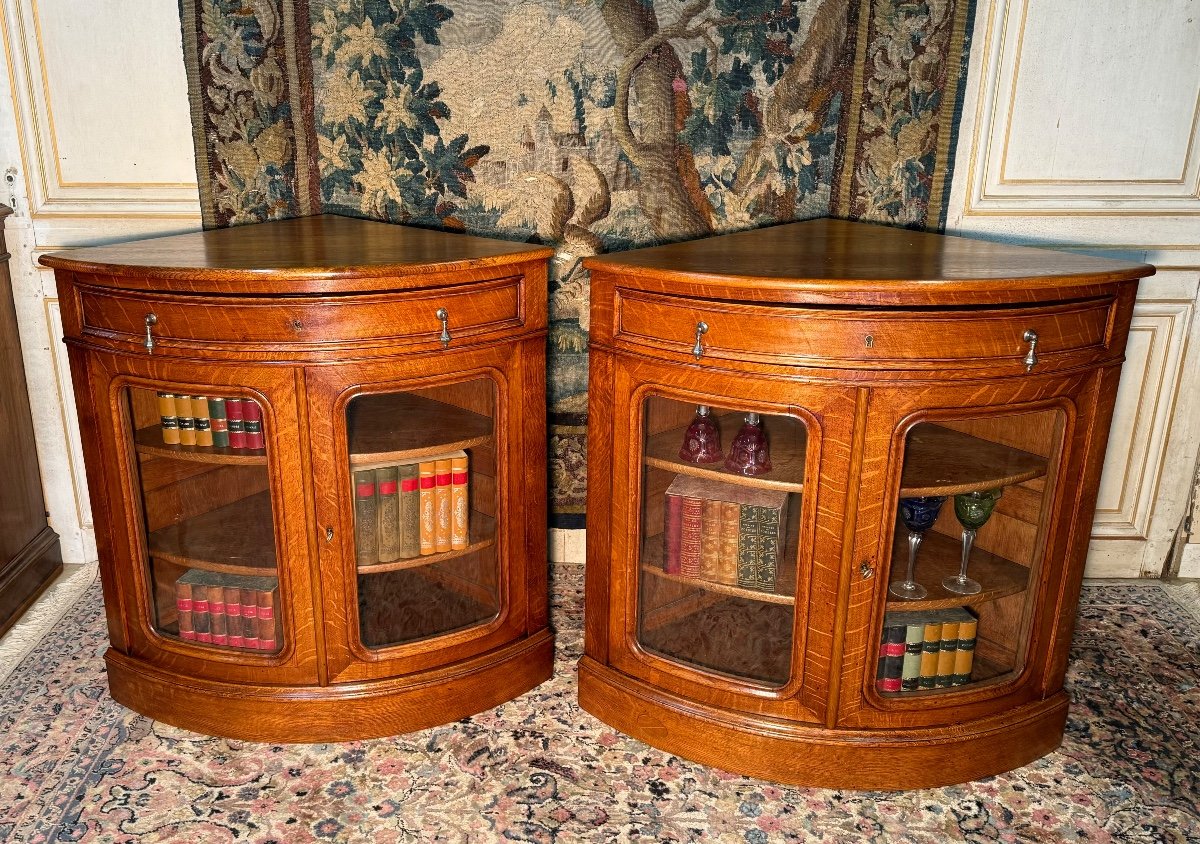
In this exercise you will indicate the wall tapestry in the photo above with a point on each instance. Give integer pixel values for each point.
(590, 125)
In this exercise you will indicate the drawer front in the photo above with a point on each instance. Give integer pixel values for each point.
(903, 338)
(405, 318)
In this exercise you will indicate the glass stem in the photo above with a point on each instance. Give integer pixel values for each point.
(914, 542)
(968, 539)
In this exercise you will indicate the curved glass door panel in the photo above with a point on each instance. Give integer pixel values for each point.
(210, 531)
(721, 490)
(423, 473)
(970, 535)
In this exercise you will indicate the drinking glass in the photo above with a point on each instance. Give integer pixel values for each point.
(918, 515)
(973, 509)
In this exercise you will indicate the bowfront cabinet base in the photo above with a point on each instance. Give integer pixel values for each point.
(318, 714)
(815, 757)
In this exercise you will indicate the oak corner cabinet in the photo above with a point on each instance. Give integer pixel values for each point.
(841, 479)
(316, 453)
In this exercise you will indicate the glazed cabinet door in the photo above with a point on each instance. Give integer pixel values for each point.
(725, 533)
(974, 514)
(430, 506)
(213, 566)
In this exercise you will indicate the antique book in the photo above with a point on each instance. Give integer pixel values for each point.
(183, 608)
(252, 424)
(672, 532)
(428, 492)
(169, 418)
(710, 539)
(249, 617)
(366, 518)
(235, 627)
(201, 419)
(388, 493)
(235, 416)
(410, 511)
(891, 659)
(460, 507)
(268, 625)
(218, 421)
(931, 646)
(946, 652)
(442, 476)
(964, 652)
(187, 425)
(727, 560)
(218, 621)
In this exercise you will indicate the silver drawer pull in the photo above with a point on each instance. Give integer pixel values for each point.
(1031, 358)
(444, 316)
(151, 321)
(701, 330)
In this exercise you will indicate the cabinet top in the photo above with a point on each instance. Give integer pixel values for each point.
(834, 257)
(302, 255)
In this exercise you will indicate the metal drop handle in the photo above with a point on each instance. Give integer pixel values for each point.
(444, 316)
(1031, 359)
(701, 330)
(151, 321)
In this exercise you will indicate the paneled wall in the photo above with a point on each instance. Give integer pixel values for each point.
(1081, 130)
(96, 139)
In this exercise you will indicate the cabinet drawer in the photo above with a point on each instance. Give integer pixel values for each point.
(412, 318)
(900, 338)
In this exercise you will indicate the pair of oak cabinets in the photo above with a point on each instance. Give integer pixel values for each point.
(840, 485)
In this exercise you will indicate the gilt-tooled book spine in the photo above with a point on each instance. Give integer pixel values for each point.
(252, 424)
(459, 503)
(428, 491)
(183, 608)
(731, 527)
(672, 531)
(891, 659)
(749, 547)
(218, 422)
(914, 641)
(169, 418)
(204, 436)
(931, 646)
(249, 617)
(388, 491)
(201, 621)
(964, 654)
(234, 625)
(443, 508)
(690, 536)
(187, 425)
(768, 548)
(216, 611)
(236, 419)
(268, 624)
(410, 512)
(710, 540)
(946, 653)
(366, 518)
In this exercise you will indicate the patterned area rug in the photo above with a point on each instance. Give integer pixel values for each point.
(592, 126)
(79, 767)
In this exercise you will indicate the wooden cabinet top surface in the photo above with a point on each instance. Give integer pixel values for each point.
(321, 254)
(826, 259)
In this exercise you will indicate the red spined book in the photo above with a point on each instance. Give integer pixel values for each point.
(183, 606)
(235, 419)
(443, 480)
(216, 611)
(267, 627)
(249, 618)
(201, 621)
(233, 615)
(252, 424)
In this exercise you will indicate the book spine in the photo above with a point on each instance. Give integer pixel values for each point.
(930, 649)
(200, 618)
(218, 422)
(891, 659)
(689, 536)
(768, 548)
(914, 642)
(946, 649)
(387, 488)
(234, 625)
(710, 539)
(366, 518)
(200, 416)
(460, 507)
(410, 512)
(748, 547)
(249, 618)
(183, 606)
(216, 610)
(235, 419)
(252, 424)
(428, 509)
(672, 532)
(187, 425)
(964, 654)
(727, 564)
(169, 418)
(267, 628)
(441, 501)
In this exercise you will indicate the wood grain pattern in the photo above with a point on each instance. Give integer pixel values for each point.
(865, 333)
(304, 316)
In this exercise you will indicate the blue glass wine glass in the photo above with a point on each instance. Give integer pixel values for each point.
(918, 515)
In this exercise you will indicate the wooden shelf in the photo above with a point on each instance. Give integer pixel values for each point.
(942, 461)
(652, 564)
(390, 428)
(149, 441)
(482, 534)
(238, 538)
(786, 438)
(940, 556)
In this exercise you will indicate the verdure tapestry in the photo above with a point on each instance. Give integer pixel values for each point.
(590, 125)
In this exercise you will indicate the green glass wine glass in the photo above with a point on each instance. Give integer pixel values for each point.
(973, 509)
